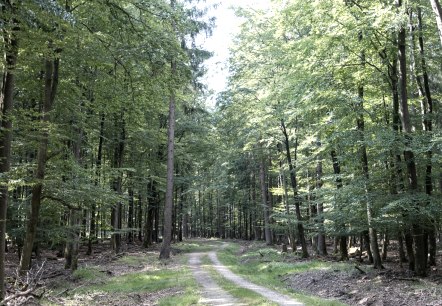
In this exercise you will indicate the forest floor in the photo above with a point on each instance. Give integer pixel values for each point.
(137, 277)
(392, 286)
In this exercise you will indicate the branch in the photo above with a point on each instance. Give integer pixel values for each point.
(18, 294)
(61, 201)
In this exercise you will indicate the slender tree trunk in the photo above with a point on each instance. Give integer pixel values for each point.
(385, 244)
(377, 263)
(322, 247)
(72, 243)
(168, 207)
(73, 237)
(92, 227)
(117, 210)
(341, 227)
(402, 257)
(264, 202)
(291, 234)
(140, 216)
(418, 233)
(6, 104)
(295, 190)
(181, 214)
(150, 214)
(373, 245)
(427, 113)
(130, 215)
(50, 89)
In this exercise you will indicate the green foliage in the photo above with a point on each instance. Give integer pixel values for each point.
(304, 63)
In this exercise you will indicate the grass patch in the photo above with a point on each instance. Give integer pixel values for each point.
(163, 282)
(136, 260)
(265, 266)
(148, 281)
(88, 274)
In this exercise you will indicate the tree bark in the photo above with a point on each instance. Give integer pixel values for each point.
(341, 227)
(291, 234)
(140, 216)
(168, 206)
(92, 222)
(427, 113)
(377, 263)
(418, 233)
(130, 215)
(295, 191)
(116, 212)
(50, 90)
(6, 104)
(265, 202)
(322, 247)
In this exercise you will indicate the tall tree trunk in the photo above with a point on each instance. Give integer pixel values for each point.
(130, 216)
(322, 247)
(6, 104)
(291, 234)
(152, 199)
(418, 233)
(117, 209)
(373, 239)
(92, 222)
(294, 184)
(168, 206)
(72, 243)
(427, 113)
(377, 263)
(50, 89)
(340, 226)
(140, 216)
(265, 202)
(73, 237)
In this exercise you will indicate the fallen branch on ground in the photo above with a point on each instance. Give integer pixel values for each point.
(360, 270)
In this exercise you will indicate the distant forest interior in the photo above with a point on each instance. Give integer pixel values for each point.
(327, 140)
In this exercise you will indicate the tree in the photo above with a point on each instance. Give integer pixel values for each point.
(50, 90)
(9, 34)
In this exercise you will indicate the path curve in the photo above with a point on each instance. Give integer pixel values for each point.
(212, 293)
(271, 295)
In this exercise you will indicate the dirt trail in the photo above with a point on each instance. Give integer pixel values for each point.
(214, 295)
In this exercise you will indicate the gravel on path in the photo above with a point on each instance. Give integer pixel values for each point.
(271, 295)
(212, 293)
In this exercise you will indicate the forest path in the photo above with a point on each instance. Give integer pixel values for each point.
(212, 293)
(215, 295)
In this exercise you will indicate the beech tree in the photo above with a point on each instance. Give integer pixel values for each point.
(344, 80)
